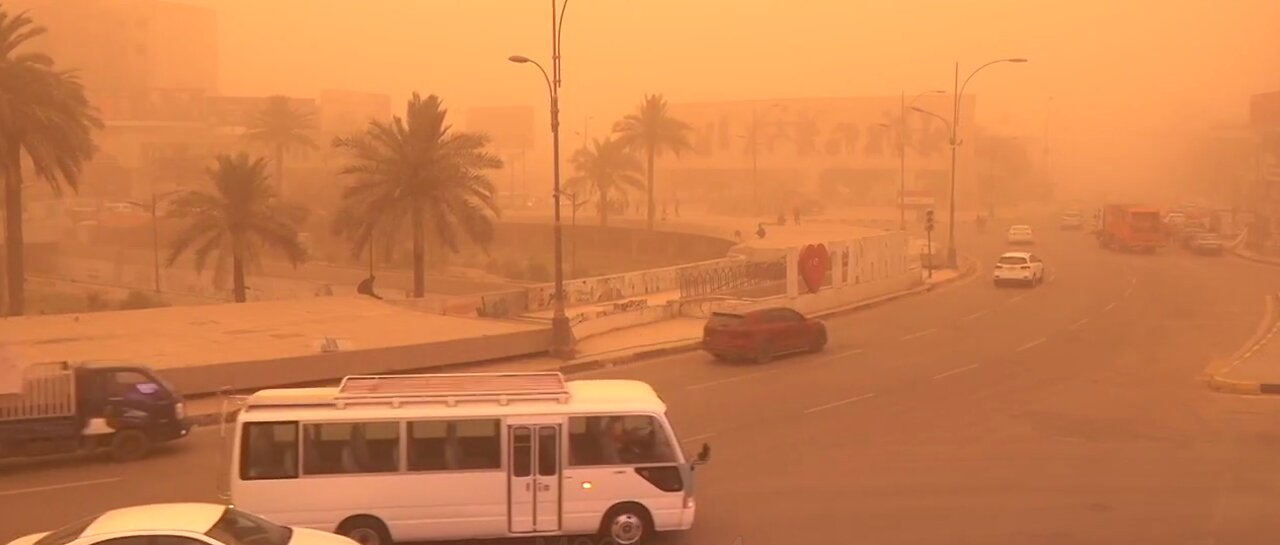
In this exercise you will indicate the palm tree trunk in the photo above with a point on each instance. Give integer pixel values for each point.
(649, 175)
(13, 243)
(419, 255)
(604, 207)
(280, 169)
(237, 277)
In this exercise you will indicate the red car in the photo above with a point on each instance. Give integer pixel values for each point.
(762, 334)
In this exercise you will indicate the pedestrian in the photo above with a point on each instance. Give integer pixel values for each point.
(760, 232)
(677, 208)
(795, 215)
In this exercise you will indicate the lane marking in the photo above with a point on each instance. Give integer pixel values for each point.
(1019, 298)
(1051, 277)
(737, 378)
(1080, 323)
(731, 379)
(698, 437)
(1128, 291)
(838, 403)
(919, 334)
(1109, 307)
(58, 486)
(975, 315)
(1031, 344)
(954, 371)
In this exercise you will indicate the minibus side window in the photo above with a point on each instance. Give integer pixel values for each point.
(618, 440)
(269, 450)
(347, 447)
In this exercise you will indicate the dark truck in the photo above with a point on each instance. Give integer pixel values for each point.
(58, 408)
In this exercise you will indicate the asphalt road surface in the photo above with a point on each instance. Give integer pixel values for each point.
(1069, 413)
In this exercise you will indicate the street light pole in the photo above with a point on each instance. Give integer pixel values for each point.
(155, 231)
(958, 90)
(561, 333)
(902, 155)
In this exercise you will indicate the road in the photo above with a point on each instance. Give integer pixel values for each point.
(1069, 413)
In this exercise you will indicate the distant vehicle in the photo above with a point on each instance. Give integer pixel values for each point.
(180, 524)
(1206, 244)
(57, 408)
(409, 458)
(1021, 234)
(1072, 220)
(1187, 234)
(1128, 227)
(762, 334)
(1018, 268)
(1175, 219)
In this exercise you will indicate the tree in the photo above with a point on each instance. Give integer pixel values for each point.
(604, 168)
(44, 116)
(279, 126)
(241, 215)
(651, 131)
(416, 173)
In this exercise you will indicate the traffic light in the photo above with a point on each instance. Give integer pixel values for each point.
(928, 220)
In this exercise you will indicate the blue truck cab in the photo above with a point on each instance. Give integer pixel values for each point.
(64, 407)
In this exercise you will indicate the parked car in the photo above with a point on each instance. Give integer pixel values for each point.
(760, 335)
(1021, 234)
(1206, 244)
(177, 523)
(1018, 268)
(1188, 234)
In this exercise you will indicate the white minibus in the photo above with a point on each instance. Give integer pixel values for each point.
(384, 459)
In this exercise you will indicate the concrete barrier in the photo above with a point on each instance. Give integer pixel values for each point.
(257, 374)
(613, 322)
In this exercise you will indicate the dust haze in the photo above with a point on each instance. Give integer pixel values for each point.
(1129, 80)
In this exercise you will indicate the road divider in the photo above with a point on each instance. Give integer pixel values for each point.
(1267, 331)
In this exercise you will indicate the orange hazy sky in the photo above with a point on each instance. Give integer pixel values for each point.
(1122, 72)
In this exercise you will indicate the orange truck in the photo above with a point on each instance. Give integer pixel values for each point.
(1130, 227)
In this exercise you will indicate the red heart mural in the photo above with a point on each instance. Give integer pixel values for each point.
(814, 263)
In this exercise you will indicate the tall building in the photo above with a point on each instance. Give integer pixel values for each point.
(1264, 121)
(129, 45)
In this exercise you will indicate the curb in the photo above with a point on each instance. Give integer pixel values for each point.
(606, 361)
(603, 361)
(1267, 328)
(1255, 258)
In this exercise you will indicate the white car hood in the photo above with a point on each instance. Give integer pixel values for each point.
(28, 539)
(307, 536)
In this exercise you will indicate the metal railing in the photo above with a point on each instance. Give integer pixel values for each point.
(731, 277)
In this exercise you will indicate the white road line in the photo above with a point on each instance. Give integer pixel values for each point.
(702, 385)
(1128, 291)
(698, 437)
(1080, 323)
(1019, 298)
(1051, 277)
(57, 486)
(954, 371)
(1109, 307)
(1031, 344)
(838, 403)
(975, 315)
(919, 334)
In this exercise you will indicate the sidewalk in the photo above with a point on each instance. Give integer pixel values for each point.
(616, 348)
(1256, 368)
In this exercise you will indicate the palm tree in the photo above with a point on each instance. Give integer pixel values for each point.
(651, 130)
(281, 127)
(604, 169)
(416, 173)
(45, 116)
(242, 214)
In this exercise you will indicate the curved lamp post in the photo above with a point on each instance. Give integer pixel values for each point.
(561, 333)
(955, 127)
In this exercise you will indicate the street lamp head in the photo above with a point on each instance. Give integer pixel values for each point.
(885, 125)
(921, 110)
(518, 59)
(1016, 60)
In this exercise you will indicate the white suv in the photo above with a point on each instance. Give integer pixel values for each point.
(1019, 268)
